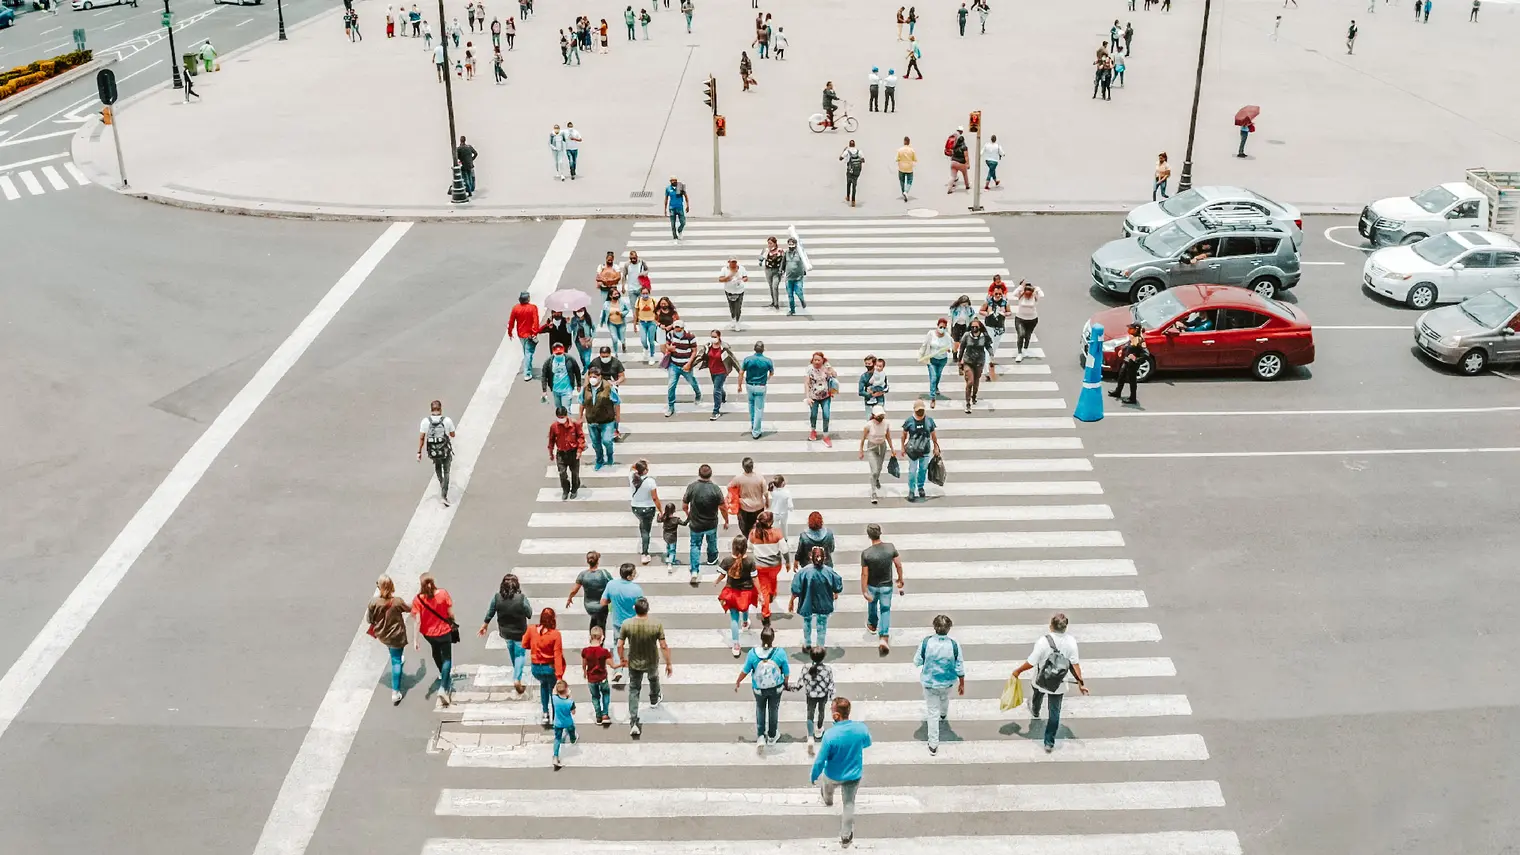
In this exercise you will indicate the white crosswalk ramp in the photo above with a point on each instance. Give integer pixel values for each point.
(1020, 531)
(25, 183)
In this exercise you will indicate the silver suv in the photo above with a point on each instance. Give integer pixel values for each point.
(1255, 253)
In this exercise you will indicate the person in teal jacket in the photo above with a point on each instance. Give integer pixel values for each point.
(816, 586)
(838, 765)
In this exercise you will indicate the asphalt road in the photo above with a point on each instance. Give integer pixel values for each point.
(1337, 613)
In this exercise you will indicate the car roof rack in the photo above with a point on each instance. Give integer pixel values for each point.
(1241, 221)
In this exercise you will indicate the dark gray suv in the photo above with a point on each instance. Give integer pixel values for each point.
(1200, 250)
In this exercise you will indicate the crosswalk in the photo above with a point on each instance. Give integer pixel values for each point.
(1020, 531)
(25, 183)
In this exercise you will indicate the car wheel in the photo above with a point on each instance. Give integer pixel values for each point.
(1473, 362)
(1421, 296)
(1144, 290)
(87, 6)
(1409, 239)
(1145, 368)
(1266, 286)
(1268, 366)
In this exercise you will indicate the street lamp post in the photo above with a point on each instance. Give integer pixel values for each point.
(457, 193)
(1185, 182)
(173, 57)
(279, 8)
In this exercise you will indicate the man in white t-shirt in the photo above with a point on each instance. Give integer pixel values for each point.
(436, 437)
(1050, 683)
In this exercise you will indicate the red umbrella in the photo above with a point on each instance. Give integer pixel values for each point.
(1246, 115)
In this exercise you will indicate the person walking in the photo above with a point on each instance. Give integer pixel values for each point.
(815, 589)
(819, 385)
(563, 718)
(817, 685)
(981, 9)
(1472, 17)
(768, 548)
(1026, 316)
(995, 311)
(566, 442)
(746, 70)
(873, 87)
(782, 505)
(628, 21)
(639, 649)
(583, 334)
(992, 155)
(771, 261)
(436, 436)
(615, 314)
(595, 657)
(920, 444)
(795, 266)
(889, 85)
(940, 667)
(644, 19)
(737, 594)
(590, 584)
(756, 372)
(455, 33)
(386, 616)
(1131, 354)
(573, 141)
(1276, 30)
(557, 143)
(434, 610)
(733, 278)
(1053, 658)
(961, 312)
(561, 376)
(1164, 172)
(546, 652)
(914, 54)
(961, 15)
(839, 763)
(702, 503)
(439, 57)
(971, 356)
(557, 330)
(1245, 132)
(510, 31)
(498, 70)
(876, 440)
(644, 314)
(390, 23)
(681, 356)
(817, 534)
(1129, 36)
(599, 416)
(854, 161)
(912, 20)
(644, 503)
(687, 8)
(769, 673)
(935, 353)
(720, 362)
(675, 207)
(1351, 38)
(465, 155)
(1426, 20)
(512, 611)
(958, 160)
(902, 18)
(753, 496)
(469, 11)
(877, 562)
(1113, 36)
(620, 598)
(496, 33)
(907, 159)
(603, 47)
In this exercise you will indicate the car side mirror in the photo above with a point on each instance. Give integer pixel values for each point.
(1506, 331)
(1459, 266)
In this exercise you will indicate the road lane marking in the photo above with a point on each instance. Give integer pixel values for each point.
(1350, 452)
(53, 30)
(76, 173)
(241, 23)
(939, 543)
(152, 64)
(1322, 263)
(44, 159)
(11, 142)
(1142, 843)
(907, 633)
(1394, 411)
(33, 186)
(308, 785)
(113, 26)
(55, 638)
(54, 178)
(1403, 327)
(8, 187)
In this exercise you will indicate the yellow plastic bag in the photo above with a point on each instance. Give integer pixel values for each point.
(1013, 695)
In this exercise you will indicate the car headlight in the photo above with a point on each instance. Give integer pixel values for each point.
(1390, 224)
(1399, 276)
(1142, 229)
(1114, 271)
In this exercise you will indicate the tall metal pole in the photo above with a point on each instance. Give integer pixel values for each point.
(173, 56)
(976, 186)
(457, 192)
(717, 177)
(279, 8)
(1185, 182)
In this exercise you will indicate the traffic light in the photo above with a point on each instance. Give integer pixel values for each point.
(710, 93)
(976, 122)
(720, 126)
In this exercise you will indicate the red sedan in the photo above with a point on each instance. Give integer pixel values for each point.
(1209, 327)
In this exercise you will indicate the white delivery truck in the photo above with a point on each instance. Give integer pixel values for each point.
(1487, 200)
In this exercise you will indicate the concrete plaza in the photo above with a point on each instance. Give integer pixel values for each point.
(317, 125)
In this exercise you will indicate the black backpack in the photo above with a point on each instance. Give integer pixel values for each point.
(439, 445)
(1054, 669)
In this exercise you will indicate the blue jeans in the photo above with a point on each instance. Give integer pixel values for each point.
(469, 179)
(528, 345)
(571, 155)
(670, 553)
(396, 655)
(1053, 723)
(600, 436)
(1159, 189)
(585, 355)
(648, 334)
(756, 409)
(519, 658)
(816, 407)
(711, 536)
(879, 610)
(677, 222)
(767, 712)
(936, 371)
(646, 524)
(601, 696)
(992, 166)
(794, 294)
(904, 182)
(808, 623)
(564, 400)
(618, 336)
(734, 619)
(918, 473)
(544, 674)
(719, 396)
(676, 373)
(561, 734)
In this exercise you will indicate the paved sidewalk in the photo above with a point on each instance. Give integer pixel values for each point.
(319, 126)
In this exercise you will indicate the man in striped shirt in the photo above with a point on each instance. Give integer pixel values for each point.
(681, 349)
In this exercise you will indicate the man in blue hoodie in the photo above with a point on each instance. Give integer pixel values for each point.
(838, 765)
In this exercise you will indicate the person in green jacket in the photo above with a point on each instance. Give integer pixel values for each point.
(208, 55)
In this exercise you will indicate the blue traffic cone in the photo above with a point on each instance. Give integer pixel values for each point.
(1090, 402)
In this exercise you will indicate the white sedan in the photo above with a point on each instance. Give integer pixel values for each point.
(80, 5)
(1445, 268)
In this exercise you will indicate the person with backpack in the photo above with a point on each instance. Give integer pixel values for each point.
(561, 375)
(769, 671)
(434, 610)
(599, 415)
(940, 666)
(920, 444)
(817, 534)
(437, 438)
(971, 352)
(955, 149)
(512, 611)
(736, 575)
(386, 617)
(817, 686)
(613, 374)
(1053, 658)
(913, 55)
(854, 161)
(815, 588)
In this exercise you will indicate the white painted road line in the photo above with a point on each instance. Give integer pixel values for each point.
(794, 406)
(749, 248)
(953, 490)
(795, 712)
(640, 445)
(939, 542)
(779, 227)
(245, 21)
(113, 26)
(54, 178)
(718, 639)
(862, 516)
(730, 468)
(33, 186)
(1392, 411)
(20, 163)
(1343, 327)
(309, 784)
(1350, 452)
(899, 391)
(65, 626)
(8, 187)
(821, 263)
(1035, 568)
(502, 751)
(76, 173)
(717, 258)
(706, 602)
(668, 803)
(945, 423)
(1322, 263)
(1147, 843)
(843, 357)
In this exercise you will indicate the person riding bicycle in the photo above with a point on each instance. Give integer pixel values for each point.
(830, 102)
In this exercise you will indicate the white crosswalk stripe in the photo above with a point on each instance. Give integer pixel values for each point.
(33, 184)
(1019, 531)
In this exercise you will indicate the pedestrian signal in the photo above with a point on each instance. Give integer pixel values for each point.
(976, 122)
(720, 126)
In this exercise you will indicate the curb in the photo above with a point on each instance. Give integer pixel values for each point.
(58, 82)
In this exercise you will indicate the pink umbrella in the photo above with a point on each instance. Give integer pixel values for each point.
(567, 301)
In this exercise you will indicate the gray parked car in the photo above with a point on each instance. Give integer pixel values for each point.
(1257, 254)
(1221, 202)
(1474, 334)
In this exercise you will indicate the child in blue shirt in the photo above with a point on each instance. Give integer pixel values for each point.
(564, 718)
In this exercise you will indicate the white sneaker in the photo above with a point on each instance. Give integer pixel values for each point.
(395, 697)
(759, 744)
(1019, 357)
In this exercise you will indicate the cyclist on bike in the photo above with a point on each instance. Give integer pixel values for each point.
(830, 102)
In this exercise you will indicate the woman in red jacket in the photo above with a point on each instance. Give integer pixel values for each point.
(547, 652)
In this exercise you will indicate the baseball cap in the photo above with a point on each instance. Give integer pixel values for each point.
(878, 410)
(558, 348)
(678, 323)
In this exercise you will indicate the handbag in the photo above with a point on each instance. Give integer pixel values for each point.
(644, 280)
(893, 468)
(1013, 695)
(453, 627)
(937, 470)
(733, 499)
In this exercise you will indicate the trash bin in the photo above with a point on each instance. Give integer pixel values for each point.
(190, 60)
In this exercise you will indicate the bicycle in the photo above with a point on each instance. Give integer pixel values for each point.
(818, 122)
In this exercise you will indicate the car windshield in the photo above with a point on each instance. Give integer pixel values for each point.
(1158, 311)
(1489, 309)
(1183, 203)
(1435, 200)
(1167, 240)
(1439, 250)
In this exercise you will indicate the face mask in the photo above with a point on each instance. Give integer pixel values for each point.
(565, 420)
(942, 329)
(595, 381)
